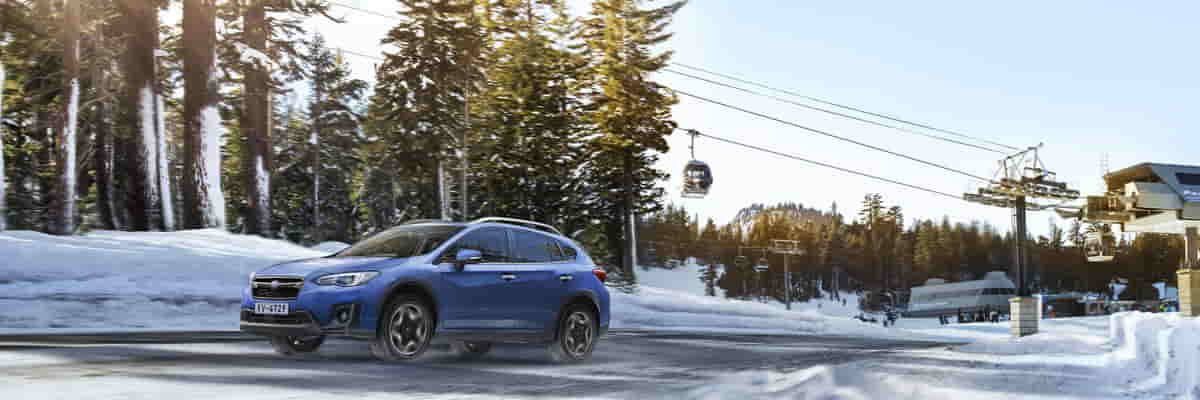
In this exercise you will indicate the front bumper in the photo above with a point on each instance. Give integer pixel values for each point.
(301, 324)
(295, 324)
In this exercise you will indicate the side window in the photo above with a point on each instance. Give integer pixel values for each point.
(493, 243)
(568, 252)
(530, 247)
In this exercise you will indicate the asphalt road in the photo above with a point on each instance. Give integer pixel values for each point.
(205, 365)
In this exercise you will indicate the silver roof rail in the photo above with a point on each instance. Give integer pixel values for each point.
(422, 221)
(516, 221)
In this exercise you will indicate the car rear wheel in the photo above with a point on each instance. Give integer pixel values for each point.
(406, 331)
(470, 350)
(576, 335)
(291, 345)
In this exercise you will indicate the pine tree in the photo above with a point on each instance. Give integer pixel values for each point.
(421, 92)
(534, 120)
(632, 113)
(333, 141)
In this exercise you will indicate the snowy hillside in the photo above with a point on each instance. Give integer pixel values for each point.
(130, 279)
(193, 279)
(686, 279)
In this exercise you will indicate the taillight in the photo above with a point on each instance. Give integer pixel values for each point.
(600, 274)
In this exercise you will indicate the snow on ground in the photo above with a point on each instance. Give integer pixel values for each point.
(186, 279)
(193, 280)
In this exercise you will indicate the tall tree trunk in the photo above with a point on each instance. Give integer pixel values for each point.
(3, 180)
(63, 222)
(141, 104)
(256, 160)
(315, 142)
(103, 159)
(203, 201)
(166, 206)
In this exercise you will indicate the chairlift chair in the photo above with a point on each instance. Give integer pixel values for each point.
(1100, 246)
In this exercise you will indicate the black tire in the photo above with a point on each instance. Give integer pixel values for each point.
(576, 335)
(291, 345)
(470, 350)
(405, 330)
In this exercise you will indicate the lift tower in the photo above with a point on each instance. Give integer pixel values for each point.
(1022, 177)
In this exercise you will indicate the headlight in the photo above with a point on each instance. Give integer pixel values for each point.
(347, 279)
(252, 274)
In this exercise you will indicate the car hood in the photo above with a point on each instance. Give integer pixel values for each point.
(331, 265)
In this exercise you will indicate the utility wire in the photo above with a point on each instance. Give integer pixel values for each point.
(798, 158)
(363, 10)
(823, 133)
(827, 111)
(355, 53)
(764, 86)
(842, 106)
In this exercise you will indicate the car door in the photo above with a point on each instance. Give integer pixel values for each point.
(542, 278)
(478, 295)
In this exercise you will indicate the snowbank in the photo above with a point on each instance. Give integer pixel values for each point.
(1164, 348)
(184, 279)
(823, 382)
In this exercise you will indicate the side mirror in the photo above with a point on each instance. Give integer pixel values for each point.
(467, 256)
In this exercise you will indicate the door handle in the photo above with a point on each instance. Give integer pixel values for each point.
(508, 277)
(565, 278)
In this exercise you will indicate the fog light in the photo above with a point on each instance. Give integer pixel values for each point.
(343, 316)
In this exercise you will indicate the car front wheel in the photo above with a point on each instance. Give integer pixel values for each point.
(406, 331)
(291, 345)
(576, 336)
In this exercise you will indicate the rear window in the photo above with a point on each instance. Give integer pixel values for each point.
(569, 253)
(530, 247)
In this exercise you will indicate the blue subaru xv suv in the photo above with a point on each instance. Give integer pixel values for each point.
(493, 280)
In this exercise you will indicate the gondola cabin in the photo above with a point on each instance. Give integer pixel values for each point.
(1100, 246)
(697, 179)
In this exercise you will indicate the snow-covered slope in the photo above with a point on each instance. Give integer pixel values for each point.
(130, 279)
(193, 280)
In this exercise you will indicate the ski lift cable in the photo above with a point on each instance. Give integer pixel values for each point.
(842, 106)
(768, 87)
(824, 133)
(831, 112)
(363, 10)
(818, 163)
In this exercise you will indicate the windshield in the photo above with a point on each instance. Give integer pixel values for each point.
(404, 241)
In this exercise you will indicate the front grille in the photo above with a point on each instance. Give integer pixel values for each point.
(276, 287)
(296, 318)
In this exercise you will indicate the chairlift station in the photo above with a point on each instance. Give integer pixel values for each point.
(1149, 198)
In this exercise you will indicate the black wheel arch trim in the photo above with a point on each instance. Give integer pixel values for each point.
(583, 294)
(395, 288)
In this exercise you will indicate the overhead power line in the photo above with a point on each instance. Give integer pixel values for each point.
(843, 115)
(824, 133)
(826, 165)
(355, 53)
(363, 10)
(844, 107)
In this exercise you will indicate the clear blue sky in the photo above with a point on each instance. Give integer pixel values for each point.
(1085, 78)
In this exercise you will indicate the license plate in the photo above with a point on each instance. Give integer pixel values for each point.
(271, 308)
